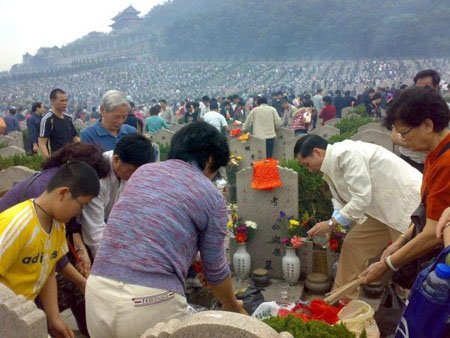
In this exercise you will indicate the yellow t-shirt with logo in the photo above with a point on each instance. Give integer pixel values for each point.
(27, 252)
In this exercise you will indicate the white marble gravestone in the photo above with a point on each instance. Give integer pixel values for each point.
(11, 151)
(163, 137)
(17, 136)
(279, 149)
(333, 122)
(325, 131)
(376, 137)
(13, 175)
(254, 149)
(264, 207)
(373, 126)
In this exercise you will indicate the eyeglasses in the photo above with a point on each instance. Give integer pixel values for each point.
(402, 135)
(79, 203)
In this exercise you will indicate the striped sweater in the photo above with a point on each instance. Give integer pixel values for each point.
(167, 212)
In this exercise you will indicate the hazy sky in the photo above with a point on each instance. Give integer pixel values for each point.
(27, 25)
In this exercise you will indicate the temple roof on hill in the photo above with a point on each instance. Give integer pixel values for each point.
(129, 11)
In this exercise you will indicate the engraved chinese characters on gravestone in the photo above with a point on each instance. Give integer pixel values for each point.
(251, 150)
(264, 207)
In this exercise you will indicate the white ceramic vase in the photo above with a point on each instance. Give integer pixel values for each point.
(241, 262)
(291, 266)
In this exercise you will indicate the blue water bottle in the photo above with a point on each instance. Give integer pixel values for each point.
(437, 284)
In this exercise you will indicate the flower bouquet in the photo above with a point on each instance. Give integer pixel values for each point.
(337, 238)
(242, 231)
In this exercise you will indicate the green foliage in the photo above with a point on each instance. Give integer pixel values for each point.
(271, 30)
(163, 151)
(314, 196)
(3, 145)
(351, 125)
(312, 329)
(33, 162)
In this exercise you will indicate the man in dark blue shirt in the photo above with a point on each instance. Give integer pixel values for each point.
(12, 124)
(33, 124)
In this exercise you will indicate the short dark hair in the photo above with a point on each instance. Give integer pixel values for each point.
(306, 144)
(198, 142)
(337, 92)
(155, 110)
(12, 111)
(347, 93)
(54, 93)
(428, 72)
(284, 101)
(415, 104)
(134, 149)
(327, 99)
(213, 105)
(78, 176)
(262, 100)
(35, 106)
(163, 101)
(89, 153)
(319, 90)
(205, 98)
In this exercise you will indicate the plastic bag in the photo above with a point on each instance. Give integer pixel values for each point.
(266, 310)
(252, 298)
(266, 175)
(423, 314)
(357, 317)
(389, 312)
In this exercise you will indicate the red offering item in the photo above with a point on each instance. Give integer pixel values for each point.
(266, 175)
(235, 132)
(317, 310)
(198, 267)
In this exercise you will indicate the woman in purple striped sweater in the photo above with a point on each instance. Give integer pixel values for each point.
(167, 213)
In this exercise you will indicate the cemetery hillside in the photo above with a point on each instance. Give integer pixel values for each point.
(225, 168)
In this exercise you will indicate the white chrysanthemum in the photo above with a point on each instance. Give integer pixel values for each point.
(251, 224)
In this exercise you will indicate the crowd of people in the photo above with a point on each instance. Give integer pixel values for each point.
(146, 80)
(135, 227)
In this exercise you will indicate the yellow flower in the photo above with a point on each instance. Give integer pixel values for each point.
(230, 224)
(239, 158)
(293, 223)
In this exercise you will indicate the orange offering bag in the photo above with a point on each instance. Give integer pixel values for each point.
(266, 175)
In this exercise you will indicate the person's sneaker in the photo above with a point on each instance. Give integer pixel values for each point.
(193, 282)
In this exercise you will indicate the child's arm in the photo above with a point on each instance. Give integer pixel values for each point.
(49, 299)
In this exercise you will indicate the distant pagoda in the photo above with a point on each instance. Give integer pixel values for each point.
(126, 20)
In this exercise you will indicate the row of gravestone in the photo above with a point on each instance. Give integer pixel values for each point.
(20, 318)
(14, 144)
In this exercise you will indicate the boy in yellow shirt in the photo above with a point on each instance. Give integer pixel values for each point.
(33, 239)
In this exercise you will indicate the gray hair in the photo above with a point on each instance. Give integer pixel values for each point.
(113, 99)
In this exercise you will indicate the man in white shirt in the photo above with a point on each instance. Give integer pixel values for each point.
(204, 105)
(216, 119)
(132, 151)
(166, 111)
(371, 188)
(264, 121)
(318, 104)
